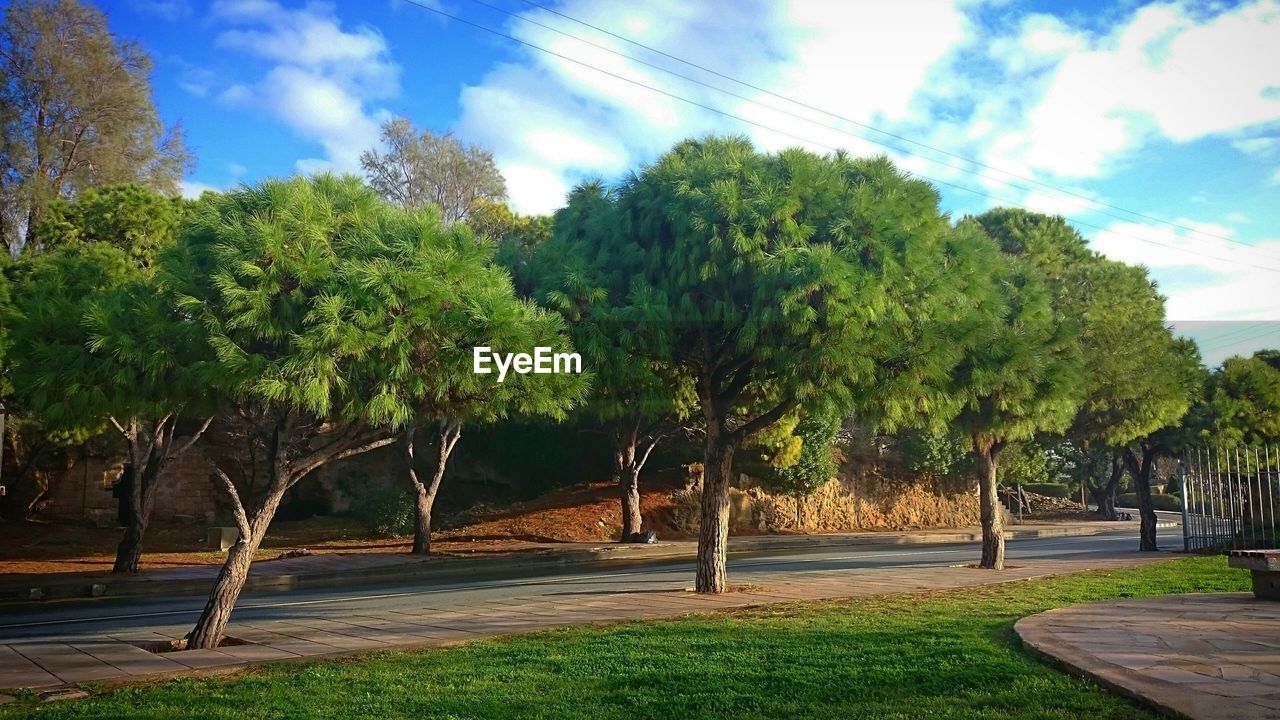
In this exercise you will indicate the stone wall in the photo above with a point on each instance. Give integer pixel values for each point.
(83, 492)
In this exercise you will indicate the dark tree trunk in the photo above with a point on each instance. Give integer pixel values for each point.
(146, 468)
(449, 430)
(1105, 495)
(713, 518)
(138, 476)
(129, 551)
(1140, 468)
(629, 489)
(988, 457)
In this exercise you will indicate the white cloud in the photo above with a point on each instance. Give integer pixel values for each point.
(192, 189)
(1165, 73)
(864, 61)
(1206, 276)
(323, 81)
(1053, 203)
(1255, 145)
(1040, 96)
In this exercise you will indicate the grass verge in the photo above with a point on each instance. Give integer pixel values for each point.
(939, 655)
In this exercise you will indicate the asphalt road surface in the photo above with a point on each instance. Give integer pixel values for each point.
(75, 621)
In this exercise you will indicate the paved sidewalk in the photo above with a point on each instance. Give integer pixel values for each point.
(351, 569)
(1207, 657)
(430, 621)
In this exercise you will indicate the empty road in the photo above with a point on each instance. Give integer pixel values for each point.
(76, 621)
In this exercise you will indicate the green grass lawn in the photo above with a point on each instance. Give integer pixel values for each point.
(942, 655)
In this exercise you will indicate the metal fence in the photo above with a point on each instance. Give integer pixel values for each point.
(1230, 498)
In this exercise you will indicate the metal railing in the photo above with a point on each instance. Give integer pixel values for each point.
(1230, 497)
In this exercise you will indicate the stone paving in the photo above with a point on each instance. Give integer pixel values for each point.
(114, 657)
(1207, 657)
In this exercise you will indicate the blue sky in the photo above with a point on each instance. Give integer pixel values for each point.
(1167, 109)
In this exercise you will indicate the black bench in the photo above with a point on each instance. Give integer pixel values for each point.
(1265, 568)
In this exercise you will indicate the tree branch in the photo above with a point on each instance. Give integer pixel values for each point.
(116, 424)
(741, 377)
(194, 437)
(644, 458)
(764, 420)
(316, 459)
(237, 507)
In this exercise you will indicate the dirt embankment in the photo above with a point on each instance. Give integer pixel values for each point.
(863, 497)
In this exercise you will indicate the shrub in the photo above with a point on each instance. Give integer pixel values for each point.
(383, 510)
(1158, 501)
(936, 453)
(1057, 490)
(819, 459)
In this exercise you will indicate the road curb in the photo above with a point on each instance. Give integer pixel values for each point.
(448, 568)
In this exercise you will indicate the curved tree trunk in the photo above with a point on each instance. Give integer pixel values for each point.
(212, 624)
(988, 457)
(425, 493)
(285, 464)
(421, 507)
(713, 517)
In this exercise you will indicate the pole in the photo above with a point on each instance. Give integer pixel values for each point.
(1182, 483)
(2, 419)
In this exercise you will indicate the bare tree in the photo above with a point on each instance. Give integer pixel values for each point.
(420, 168)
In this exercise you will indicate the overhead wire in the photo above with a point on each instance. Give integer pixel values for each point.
(1268, 331)
(1079, 198)
(732, 116)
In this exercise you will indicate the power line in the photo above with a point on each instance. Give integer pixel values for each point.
(1081, 199)
(1248, 328)
(718, 111)
(1252, 338)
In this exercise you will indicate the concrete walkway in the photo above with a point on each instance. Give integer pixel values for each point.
(1207, 657)
(434, 620)
(352, 569)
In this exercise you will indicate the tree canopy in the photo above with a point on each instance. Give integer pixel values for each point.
(99, 350)
(419, 168)
(138, 221)
(1243, 402)
(76, 112)
(1021, 376)
(772, 281)
(586, 272)
(314, 298)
